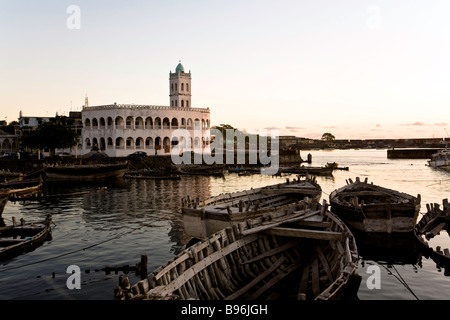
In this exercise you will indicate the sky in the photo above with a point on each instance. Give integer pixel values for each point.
(358, 69)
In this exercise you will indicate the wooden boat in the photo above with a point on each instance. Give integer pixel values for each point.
(304, 170)
(431, 224)
(86, 172)
(40, 196)
(152, 176)
(306, 253)
(202, 218)
(203, 170)
(20, 183)
(371, 208)
(17, 239)
(3, 201)
(335, 166)
(16, 190)
(440, 159)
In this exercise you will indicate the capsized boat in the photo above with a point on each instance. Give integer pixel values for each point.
(371, 208)
(202, 218)
(305, 253)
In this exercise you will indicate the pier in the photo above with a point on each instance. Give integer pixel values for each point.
(416, 153)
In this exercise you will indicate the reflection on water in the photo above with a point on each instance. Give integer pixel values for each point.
(134, 217)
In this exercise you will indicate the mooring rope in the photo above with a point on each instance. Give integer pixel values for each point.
(74, 251)
(401, 280)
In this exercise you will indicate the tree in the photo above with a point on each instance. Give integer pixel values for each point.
(328, 137)
(50, 135)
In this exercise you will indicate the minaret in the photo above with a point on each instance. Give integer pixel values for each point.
(180, 87)
(86, 102)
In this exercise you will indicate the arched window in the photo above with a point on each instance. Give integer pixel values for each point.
(119, 123)
(187, 86)
(139, 123)
(176, 87)
(130, 143)
(148, 123)
(171, 87)
(120, 143)
(109, 122)
(166, 123)
(87, 123)
(197, 124)
(182, 103)
(158, 143)
(129, 122)
(158, 123)
(187, 103)
(139, 143)
(176, 103)
(182, 87)
(102, 122)
(102, 144)
(174, 123)
(149, 143)
(110, 143)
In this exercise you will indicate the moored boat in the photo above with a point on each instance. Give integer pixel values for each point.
(202, 218)
(304, 253)
(440, 159)
(17, 239)
(14, 190)
(3, 201)
(308, 170)
(86, 172)
(371, 208)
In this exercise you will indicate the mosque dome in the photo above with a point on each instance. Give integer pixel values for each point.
(179, 68)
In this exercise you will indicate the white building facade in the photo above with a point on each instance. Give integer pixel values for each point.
(122, 129)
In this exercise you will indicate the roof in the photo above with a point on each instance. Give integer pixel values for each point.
(179, 68)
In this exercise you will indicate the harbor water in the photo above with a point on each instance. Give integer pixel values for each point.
(133, 217)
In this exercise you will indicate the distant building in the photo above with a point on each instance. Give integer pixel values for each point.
(9, 142)
(73, 121)
(121, 129)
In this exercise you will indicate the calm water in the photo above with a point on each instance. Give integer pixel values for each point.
(135, 217)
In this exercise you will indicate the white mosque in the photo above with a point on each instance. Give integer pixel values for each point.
(122, 129)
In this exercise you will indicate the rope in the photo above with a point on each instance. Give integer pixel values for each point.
(74, 251)
(401, 280)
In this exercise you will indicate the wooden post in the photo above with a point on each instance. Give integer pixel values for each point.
(388, 217)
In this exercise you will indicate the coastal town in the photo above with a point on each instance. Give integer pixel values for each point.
(279, 153)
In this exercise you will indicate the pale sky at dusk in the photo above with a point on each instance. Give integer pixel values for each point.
(358, 69)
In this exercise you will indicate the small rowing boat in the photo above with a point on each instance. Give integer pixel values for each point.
(371, 208)
(86, 172)
(202, 218)
(17, 239)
